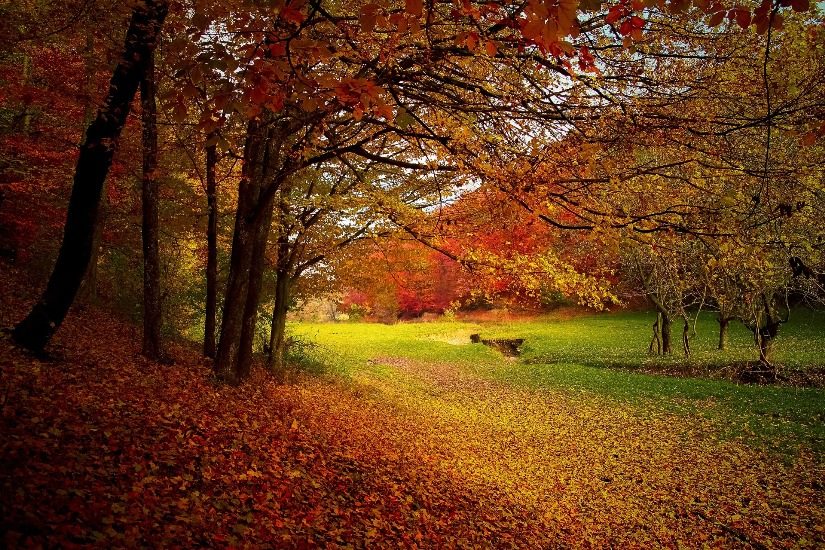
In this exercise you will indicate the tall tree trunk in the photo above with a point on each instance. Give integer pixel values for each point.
(93, 164)
(277, 337)
(278, 331)
(686, 337)
(211, 253)
(151, 255)
(667, 323)
(240, 262)
(723, 331)
(235, 298)
(253, 296)
(266, 167)
(88, 289)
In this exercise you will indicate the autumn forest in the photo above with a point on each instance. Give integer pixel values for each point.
(417, 274)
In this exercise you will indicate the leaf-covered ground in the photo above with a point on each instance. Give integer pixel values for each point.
(100, 447)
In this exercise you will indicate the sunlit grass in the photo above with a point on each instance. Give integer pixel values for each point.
(579, 358)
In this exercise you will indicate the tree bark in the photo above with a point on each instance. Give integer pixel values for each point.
(240, 261)
(253, 296)
(93, 164)
(262, 153)
(656, 340)
(88, 289)
(277, 337)
(211, 253)
(667, 322)
(765, 337)
(723, 331)
(152, 318)
(284, 253)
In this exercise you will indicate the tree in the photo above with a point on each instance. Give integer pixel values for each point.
(151, 260)
(210, 314)
(96, 153)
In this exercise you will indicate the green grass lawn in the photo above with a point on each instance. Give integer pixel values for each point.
(579, 356)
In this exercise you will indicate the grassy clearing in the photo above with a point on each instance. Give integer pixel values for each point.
(571, 356)
(621, 340)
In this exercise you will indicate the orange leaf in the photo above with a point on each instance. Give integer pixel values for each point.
(368, 16)
(491, 48)
(809, 138)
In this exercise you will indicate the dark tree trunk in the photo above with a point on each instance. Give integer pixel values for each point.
(686, 337)
(151, 256)
(253, 296)
(88, 289)
(262, 151)
(667, 323)
(240, 262)
(723, 331)
(765, 337)
(278, 333)
(235, 298)
(656, 340)
(93, 163)
(211, 253)
(277, 338)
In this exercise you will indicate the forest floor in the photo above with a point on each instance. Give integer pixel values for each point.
(427, 446)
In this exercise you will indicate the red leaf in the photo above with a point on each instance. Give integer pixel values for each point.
(716, 19)
(615, 13)
(626, 28)
(368, 16)
(415, 7)
(743, 17)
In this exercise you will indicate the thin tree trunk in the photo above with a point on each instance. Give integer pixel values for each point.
(278, 332)
(211, 253)
(686, 337)
(656, 340)
(667, 322)
(723, 331)
(93, 164)
(152, 319)
(277, 337)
